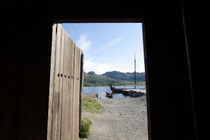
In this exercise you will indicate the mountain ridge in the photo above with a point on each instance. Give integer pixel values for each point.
(112, 77)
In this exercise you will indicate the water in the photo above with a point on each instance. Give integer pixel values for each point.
(102, 91)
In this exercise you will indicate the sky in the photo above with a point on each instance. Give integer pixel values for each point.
(109, 46)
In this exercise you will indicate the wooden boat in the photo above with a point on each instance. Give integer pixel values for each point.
(115, 90)
(129, 92)
(109, 95)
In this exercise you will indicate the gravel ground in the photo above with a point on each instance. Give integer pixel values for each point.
(121, 119)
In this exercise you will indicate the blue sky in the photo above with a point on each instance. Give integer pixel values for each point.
(109, 46)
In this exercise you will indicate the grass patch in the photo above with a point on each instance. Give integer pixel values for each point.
(91, 105)
(85, 128)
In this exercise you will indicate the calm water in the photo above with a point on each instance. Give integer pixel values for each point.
(102, 91)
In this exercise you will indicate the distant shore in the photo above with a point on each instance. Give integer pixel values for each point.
(115, 84)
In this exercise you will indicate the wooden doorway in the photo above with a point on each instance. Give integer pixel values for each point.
(65, 87)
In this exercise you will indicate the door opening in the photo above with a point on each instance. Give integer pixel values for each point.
(111, 101)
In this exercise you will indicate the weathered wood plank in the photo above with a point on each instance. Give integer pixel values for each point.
(77, 91)
(72, 57)
(65, 122)
(78, 88)
(81, 85)
(52, 77)
(67, 108)
(68, 88)
(60, 90)
(65, 87)
(56, 97)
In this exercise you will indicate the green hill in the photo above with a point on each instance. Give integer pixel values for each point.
(126, 77)
(114, 77)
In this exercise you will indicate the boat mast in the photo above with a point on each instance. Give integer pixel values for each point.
(134, 70)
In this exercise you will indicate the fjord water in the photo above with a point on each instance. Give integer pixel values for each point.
(103, 89)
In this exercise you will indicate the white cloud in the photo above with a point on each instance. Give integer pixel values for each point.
(97, 67)
(102, 68)
(113, 42)
(91, 64)
(83, 43)
(109, 44)
(88, 65)
(141, 68)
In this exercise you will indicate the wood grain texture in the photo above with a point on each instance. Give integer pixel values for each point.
(52, 76)
(65, 87)
(56, 98)
(77, 90)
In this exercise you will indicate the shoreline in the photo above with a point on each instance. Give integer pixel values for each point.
(120, 84)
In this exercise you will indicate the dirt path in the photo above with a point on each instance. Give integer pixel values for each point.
(122, 119)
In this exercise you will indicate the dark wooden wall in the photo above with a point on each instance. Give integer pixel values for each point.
(25, 67)
(197, 32)
(26, 29)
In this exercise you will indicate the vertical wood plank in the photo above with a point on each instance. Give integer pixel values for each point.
(73, 95)
(51, 87)
(56, 130)
(62, 82)
(81, 85)
(75, 92)
(76, 96)
(71, 90)
(68, 90)
(65, 87)
(67, 103)
(72, 59)
(65, 97)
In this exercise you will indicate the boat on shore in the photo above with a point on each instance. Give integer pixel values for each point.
(115, 90)
(128, 92)
(109, 95)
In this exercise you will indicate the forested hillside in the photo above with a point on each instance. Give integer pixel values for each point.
(114, 77)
